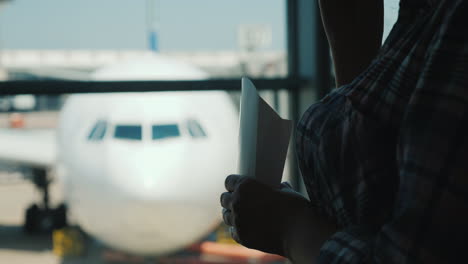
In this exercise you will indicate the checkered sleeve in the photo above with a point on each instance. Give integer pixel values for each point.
(352, 245)
(429, 219)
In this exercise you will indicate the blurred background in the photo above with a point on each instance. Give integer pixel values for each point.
(88, 175)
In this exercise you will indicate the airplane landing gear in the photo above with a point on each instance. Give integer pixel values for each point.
(41, 217)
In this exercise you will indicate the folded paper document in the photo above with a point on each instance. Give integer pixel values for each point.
(263, 138)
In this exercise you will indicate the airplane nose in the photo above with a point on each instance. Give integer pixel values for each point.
(137, 181)
(146, 174)
(159, 227)
(166, 171)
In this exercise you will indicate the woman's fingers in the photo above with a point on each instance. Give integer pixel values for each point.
(227, 207)
(231, 182)
(234, 234)
(227, 217)
(226, 199)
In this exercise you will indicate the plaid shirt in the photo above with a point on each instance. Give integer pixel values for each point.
(386, 157)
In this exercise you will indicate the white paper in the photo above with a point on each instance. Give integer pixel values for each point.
(263, 138)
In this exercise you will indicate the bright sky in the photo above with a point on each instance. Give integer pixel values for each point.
(185, 25)
(121, 24)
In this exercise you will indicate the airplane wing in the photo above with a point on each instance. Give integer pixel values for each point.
(34, 148)
(52, 74)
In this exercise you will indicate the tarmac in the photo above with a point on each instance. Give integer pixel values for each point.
(15, 246)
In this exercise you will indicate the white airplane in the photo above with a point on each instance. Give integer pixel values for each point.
(141, 172)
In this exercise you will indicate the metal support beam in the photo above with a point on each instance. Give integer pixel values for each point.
(308, 60)
(67, 87)
(293, 72)
(313, 55)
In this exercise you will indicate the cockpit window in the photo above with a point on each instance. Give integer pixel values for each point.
(98, 131)
(129, 132)
(195, 129)
(165, 131)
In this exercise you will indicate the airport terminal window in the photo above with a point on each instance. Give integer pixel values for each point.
(71, 47)
(165, 131)
(195, 129)
(98, 131)
(129, 132)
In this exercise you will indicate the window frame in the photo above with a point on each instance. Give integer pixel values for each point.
(194, 123)
(101, 126)
(116, 125)
(59, 87)
(176, 125)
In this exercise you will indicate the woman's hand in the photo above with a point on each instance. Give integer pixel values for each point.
(259, 216)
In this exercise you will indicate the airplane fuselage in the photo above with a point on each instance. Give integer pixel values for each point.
(142, 172)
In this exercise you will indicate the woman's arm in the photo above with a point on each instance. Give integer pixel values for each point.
(354, 30)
